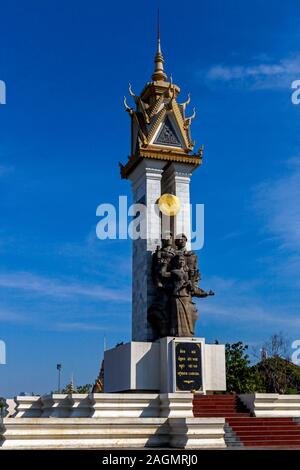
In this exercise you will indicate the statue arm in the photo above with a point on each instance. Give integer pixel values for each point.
(198, 292)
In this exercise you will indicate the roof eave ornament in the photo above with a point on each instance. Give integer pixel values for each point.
(188, 121)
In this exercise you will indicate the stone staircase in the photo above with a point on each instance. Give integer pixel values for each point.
(244, 430)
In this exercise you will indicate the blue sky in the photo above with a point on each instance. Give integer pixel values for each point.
(63, 131)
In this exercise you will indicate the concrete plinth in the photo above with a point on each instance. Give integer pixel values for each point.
(147, 366)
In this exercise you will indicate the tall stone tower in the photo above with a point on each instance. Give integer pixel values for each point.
(161, 162)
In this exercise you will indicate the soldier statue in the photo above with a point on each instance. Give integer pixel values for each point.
(175, 276)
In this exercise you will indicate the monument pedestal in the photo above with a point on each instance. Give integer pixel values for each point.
(168, 365)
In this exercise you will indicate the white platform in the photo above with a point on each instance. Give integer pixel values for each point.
(102, 420)
(97, 433)
(272, 405)
(147, 366)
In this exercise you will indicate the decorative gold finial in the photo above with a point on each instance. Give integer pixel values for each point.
(159, 73)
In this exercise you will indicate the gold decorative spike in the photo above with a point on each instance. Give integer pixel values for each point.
(200, 151)
(127, 108)
(184, 105)
(188, 121)
(159, 73)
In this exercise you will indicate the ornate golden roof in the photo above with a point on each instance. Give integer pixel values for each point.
(160, 128)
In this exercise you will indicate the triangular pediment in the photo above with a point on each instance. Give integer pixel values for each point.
(167, 134)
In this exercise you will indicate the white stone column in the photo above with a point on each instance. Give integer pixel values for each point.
(176, 180)
(146, 188)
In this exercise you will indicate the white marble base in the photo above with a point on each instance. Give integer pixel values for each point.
(96, 405)
(121, 405)
(272, 405)
(97, 433)
(132, 366)
(109, 421)
(84, 433)
(167, 363)
(146, 366)
(197, 433)
(176, 405)
(28, 407)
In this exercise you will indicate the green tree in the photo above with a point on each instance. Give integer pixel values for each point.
(84, 388)
(241, 378)
(277, 373)
(2, 407)
(80, 389)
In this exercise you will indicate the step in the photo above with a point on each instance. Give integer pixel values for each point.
(269, 420)
(213, 415)
(216, 402)
(252, 421)
(212, 407)
(274, 446)
(261, 429)
(216, 397)
(203, 400)
(288, 432)
(235, 413)
(218, 405)
(220, 400)
(225, 408)
(268, 443)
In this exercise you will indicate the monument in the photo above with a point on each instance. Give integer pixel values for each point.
(157, 373)
(148, 398)
(164, 354)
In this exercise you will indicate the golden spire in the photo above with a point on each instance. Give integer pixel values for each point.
(159, 73)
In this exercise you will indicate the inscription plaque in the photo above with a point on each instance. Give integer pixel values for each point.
(188, 366)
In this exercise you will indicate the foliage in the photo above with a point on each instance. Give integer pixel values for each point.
(274, 373)
(2, 409)
(84, 388)
(278, 375)
(80, 389)
(277, 346)
(241, 378)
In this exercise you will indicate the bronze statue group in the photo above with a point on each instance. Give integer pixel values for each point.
(175, 275)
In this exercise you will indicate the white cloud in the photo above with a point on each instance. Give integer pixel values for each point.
(277, 201)
(55, 288)
(86, 326)
(235, 301)
(9, 316)
(266, 75)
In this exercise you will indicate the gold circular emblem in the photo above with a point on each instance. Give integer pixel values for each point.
(169, 204)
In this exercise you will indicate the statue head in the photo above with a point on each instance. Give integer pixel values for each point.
(167, 239)
(180, 241)
(179, 261)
